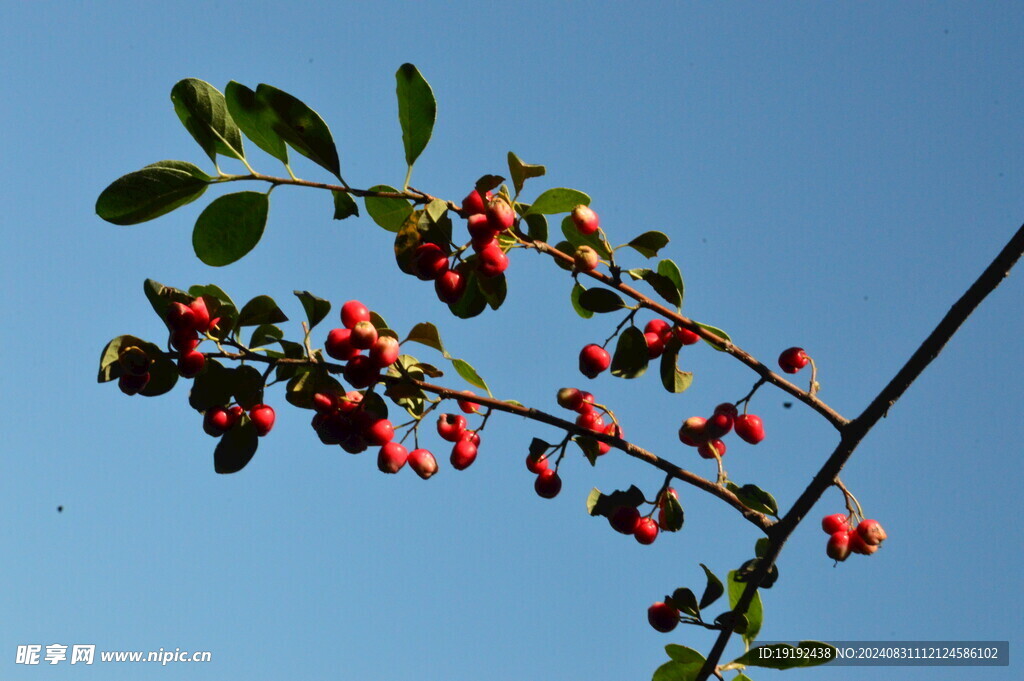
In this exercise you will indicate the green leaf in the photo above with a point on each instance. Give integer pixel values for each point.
(473, 301)
(683, 654)
(487, 182)
(316, 308)
(786, 656)
(761, 547)
(265, 334)
(417, 110)
(536, 226)
(565, 247)
(247, 386)
(718, 332)
(605, 504)
(684, 600)
(151, 192)
(260, 310)
(574, 237)
(204, 113)
(649, 243)
(714, 589)
(493, 289)
(301, 127)
(230, 227)
(673, 514)
(212, 388)
(590, 447)
(601, 300)
(344, 205)
(755, 498)
(674, 379)
(305, 384)
(630, 358)
(256, 120)
(670, 270)
(521, 172)
(558, 200)
(754, 612)
(292, 350)
(110, 369)
(661, 284)
(577, 291)
(236, 448)
(427, 334)
(163, 376)
(436, 210)
(676, 671)
(389, 214)
(379, 323)
(160, 296)
(468, 373)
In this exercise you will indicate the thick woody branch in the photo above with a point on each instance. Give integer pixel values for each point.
(854, 431)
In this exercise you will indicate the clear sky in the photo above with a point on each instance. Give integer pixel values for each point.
(832, 175)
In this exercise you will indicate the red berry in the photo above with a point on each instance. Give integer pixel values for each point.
(479, 227)
(570, 398)
(384, 352)
(350, 402)
(646, 531)
(593, 360)
(858, 545)
(692, 431)
(180, 316)
(450, 286)
(624, 519)
(217, 421)
(492, 261)
(324, 403)
(364, 335)
(655, 345)
(685, 336)
(474, 204)
(587, 403)
(134, 360)
(663, 617)
(339, 344)
(201, 314)
(360, 372)
(659, 327)
(184, 340)
(423, 462)
(838, 547)
(379, 432)
(793, 360)
(871, 532)
(132, 385)
(262, 417)
(704, 449)
(591, 420)
(750, 428)
(547, 484)
(500, 215)
(463, 454)
(585, 219)
(727, 408)
(468, 406)
(536, 465)
(191, 363)
(430, 261)
(837, 522)
(392, 457)
(586, 259)
(354, 312)
(718, 425)
(451, 426)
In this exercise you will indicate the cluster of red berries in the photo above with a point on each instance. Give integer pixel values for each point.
(589, 415)
(487, 217)
(186, 323)
(344, 420)
(219, 420)
(359, 333)
(793, 360)
(705, 434)
(659, 335)
(844, 539)
(627, 519)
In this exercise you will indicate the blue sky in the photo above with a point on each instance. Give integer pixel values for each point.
(831, 175)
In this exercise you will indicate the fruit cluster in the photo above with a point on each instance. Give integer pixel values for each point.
(659, 334)
(590, 415)
(705, 433)
(358, 334)
(219, 420)
(844, 538)
(628, 520)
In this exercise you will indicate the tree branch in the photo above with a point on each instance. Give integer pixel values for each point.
(854, 431)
